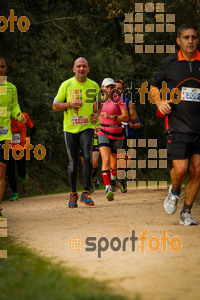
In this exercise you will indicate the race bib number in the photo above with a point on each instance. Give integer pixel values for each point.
(3, 130)
(190, 94)
(15, 138)
(79, 120)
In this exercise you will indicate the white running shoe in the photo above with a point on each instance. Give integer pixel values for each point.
(186, 218)
(170, 203)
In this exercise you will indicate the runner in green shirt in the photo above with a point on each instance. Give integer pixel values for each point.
(8, 107)
(76, 97)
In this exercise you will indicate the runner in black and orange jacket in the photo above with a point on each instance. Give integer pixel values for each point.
(181, 71)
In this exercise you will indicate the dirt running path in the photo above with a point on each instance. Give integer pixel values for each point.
(47, 225)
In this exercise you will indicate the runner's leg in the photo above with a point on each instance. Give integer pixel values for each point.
(105, 155)
(3, 167)
(193, 184)
(2, 179)
(95, 158)
(191, 191)
(86, 144)
(72, 145)
(178, 173)
(11, 174)
(113, 171)
(21, 166)
(113, 161)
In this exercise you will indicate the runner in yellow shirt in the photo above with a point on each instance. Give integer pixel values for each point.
(8, 107)
(76, 97)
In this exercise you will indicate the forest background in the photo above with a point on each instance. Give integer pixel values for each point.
(40, 59)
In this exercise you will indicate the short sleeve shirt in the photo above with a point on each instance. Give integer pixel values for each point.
(76, 120)
(9, 107)
(112, 107)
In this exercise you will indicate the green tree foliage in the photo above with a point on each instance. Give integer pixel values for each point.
(60, 31)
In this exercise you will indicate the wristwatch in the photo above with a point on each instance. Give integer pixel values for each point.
(115, 117)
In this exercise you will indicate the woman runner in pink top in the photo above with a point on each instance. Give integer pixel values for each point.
(110, 135)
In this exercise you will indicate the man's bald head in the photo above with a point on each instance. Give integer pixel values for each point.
(80, 59)
(81, 69)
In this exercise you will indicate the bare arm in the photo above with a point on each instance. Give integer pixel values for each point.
(121, 118)
(163, 105)
(132, 113)
(23, 118)
(95, 114)
(134, 126)
(59, 106)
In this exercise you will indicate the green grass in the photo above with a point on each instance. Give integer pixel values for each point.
(25, 275)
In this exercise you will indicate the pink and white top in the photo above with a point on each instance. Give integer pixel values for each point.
(112, 107)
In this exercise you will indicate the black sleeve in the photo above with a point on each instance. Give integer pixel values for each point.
(159, 77)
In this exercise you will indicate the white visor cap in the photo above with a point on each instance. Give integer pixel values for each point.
(108, 81)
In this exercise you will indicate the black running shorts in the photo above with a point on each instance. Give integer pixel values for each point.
(104, 141)
(182, 145)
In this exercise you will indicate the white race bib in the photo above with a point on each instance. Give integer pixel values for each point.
(3, 130)
(190, 94)
(15, 138)
(79, 120)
